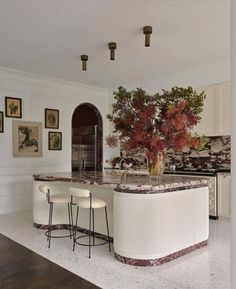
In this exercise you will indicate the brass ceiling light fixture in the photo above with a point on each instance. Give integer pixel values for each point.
(84, 59)
(147, 31)
(112, 47)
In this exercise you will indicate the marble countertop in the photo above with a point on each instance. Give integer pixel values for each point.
(138, 184)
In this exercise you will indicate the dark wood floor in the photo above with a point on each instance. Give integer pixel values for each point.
(21, 268)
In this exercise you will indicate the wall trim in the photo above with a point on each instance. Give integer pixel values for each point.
(45, 80)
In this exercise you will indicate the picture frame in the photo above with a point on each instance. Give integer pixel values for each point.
(13, 107)
(1, 121)
(27, 139)
(55, 141)
(51, 118)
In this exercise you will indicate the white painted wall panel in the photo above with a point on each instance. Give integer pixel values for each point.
(38, 93)
(15, 193)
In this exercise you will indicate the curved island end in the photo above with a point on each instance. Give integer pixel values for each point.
(152, 222)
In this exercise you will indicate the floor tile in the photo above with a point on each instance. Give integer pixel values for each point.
(206, 268)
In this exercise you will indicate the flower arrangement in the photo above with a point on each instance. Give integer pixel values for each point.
(154, 123)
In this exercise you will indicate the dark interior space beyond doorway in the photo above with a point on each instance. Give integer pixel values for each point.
(87, 133)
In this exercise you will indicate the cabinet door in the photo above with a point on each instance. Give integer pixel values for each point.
(223, 109)
(207, 122)
(224, 182)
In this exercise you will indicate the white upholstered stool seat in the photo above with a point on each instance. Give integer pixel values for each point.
(52, 200)
(60, 199)
(82, 198)
(95, 204)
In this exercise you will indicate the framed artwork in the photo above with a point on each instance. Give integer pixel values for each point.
(54, 141)
(1, 122)
(51, 118)
(27, 139)
(13, 107)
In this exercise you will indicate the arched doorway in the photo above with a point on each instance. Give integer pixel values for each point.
(87, 132)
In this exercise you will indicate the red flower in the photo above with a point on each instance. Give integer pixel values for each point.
(154, 123)
(112, 141)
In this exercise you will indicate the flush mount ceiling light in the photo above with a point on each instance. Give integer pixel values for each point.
(112, 47)
(147, 31)
(84, 59)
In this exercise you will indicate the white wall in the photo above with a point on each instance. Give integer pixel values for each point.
(38, 93)
(194, 76)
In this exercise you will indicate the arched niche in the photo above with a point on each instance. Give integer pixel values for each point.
(87, 134)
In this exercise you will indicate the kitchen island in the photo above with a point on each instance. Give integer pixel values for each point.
(151, 221)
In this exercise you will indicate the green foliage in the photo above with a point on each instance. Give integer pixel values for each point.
(125, 99)
(176, 94)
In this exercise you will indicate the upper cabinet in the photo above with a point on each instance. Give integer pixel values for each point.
(223, 108)
(207, 123)
(216, 113)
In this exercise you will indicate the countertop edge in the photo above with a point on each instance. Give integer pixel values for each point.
(128, 187)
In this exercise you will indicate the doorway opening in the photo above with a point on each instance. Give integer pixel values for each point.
(87, 134)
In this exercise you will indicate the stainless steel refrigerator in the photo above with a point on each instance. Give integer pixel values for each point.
(84, 148)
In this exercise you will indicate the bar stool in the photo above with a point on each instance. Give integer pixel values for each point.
(87, 201)
(56, 199)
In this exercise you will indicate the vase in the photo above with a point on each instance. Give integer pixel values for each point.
(157, 166)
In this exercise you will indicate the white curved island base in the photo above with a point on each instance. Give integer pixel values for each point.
(157, 228)
(151, 222)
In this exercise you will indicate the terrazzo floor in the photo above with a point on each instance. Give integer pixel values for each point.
(206, 268)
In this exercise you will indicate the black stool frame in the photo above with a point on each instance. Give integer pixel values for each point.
(91, 222)
(48, 233)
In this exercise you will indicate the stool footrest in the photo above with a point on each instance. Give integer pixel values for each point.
(87, 245)
(60, 236)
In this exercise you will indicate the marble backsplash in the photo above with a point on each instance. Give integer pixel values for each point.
(216, 154)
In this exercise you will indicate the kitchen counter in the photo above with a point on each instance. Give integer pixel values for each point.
(198, 172)
(151, 221)
(128, 183)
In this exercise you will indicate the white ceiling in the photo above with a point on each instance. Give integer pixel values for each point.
(47, 37)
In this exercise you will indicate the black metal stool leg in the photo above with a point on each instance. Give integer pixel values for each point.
(50, 225)
(90, 213)
(49, 218)
(107, 229)
(68, 206)
(72, 221)
(93, 228)
(75, 229)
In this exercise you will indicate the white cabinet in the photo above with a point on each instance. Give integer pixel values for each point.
(224, 182)
(215, 118)
(207, 123)
(223, 107)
